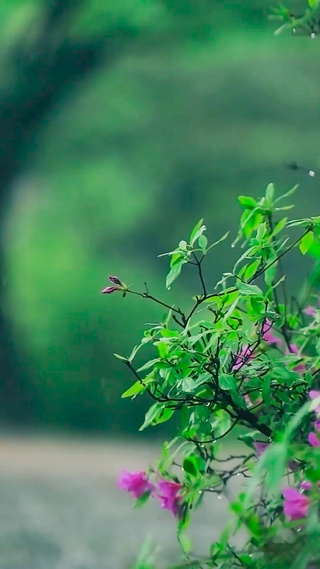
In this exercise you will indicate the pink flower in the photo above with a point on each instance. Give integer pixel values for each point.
(268, 335)
(314, 440)
(136, 483)
(260, 448)
(169, 495)
(310, 311)
(313, 394)
(110, 289)
(306, 485)
(295, 505)
(244, 356)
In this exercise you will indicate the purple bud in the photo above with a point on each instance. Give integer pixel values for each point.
(115, 280)
(110, 289)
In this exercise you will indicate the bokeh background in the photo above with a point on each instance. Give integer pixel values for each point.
(122, 122)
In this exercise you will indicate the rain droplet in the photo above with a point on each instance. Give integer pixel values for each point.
(219, 496)
(169, 287)
(312, 173)
(313, 35)
(238, 473)
(202, 445)
(232, 245)
(294, 30)
(208, 404)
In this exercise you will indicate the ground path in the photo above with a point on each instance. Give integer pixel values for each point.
(60, 507)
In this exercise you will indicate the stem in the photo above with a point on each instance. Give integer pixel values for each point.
(244, 415)
(275, 293)
(150, 297)
(280, 256)
(135, 373)
(198, 263)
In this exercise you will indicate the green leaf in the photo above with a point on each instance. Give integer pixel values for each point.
(203, 243)
(148, 365)
(249, 290)
(313, 4)
(274, 460)
(188, 384)
(306, 242)
(251, 269)
(185, 542)
(287, 194)
(134, 390)
(248, 202)
(279, 226)
(134, 352)
(174, 273)
(157, 414)
(227, 382)
(190, 466)
(238, 399)
(163, 349)
(164, 416)
(314, 250)
(122, 358)
(183, 245)
(269, 195)
(142, 499)
(176, 259)
(219, 240)
(270, 274)
(198, 229)
(249, 438)
(265, 390)
(151, 415)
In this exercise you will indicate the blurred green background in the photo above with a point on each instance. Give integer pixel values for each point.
(122, 122)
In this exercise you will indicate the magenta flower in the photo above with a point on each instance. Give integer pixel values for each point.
(136, 483)
(310, 311)
(306, 485)
(110, 289)
(260, 448)
(314, 440)
(295, 505)
(169, 495)
(268, 335)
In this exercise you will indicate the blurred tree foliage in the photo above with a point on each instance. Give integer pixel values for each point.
(122, 123)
